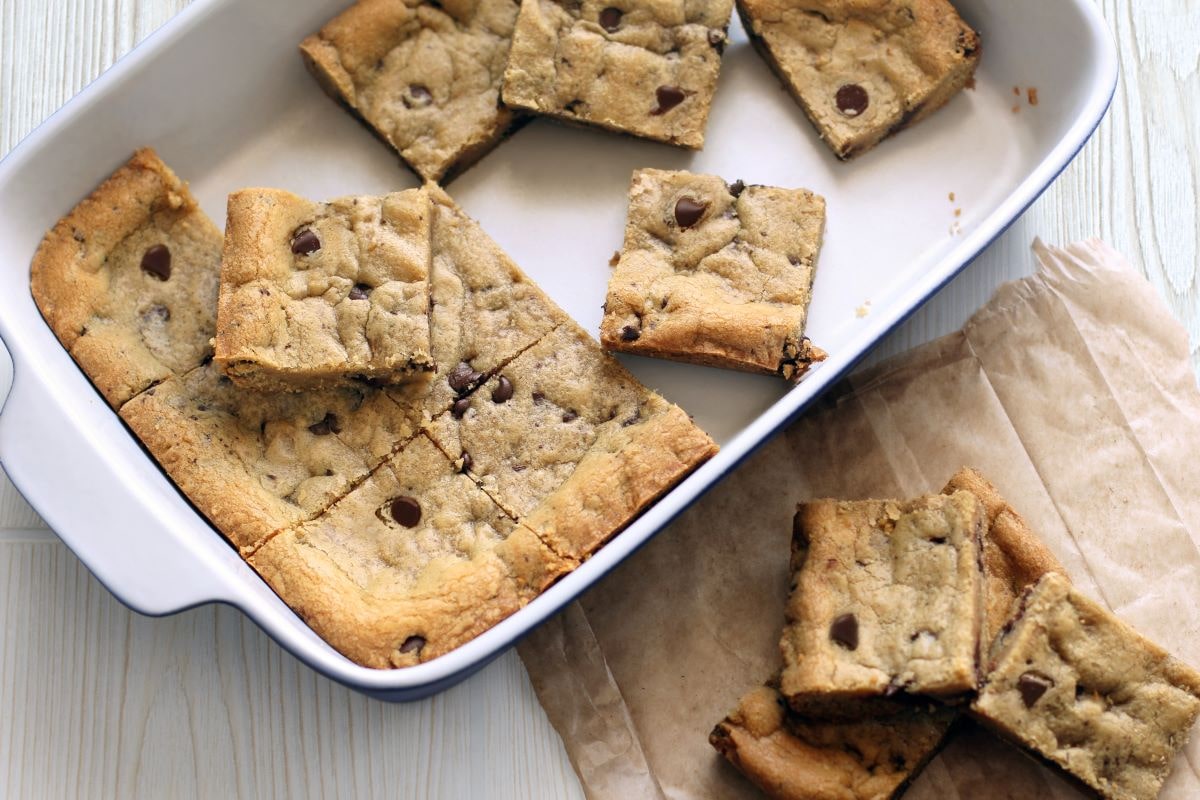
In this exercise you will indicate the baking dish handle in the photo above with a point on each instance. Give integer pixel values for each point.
(117, 533)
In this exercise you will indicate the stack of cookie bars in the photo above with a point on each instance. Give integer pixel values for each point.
(400, 431)
(905, 617)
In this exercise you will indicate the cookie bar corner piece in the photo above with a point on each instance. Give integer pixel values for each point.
(863, 71)
(644, 68)
(424, 76)
(789, 757)
(887, 603)
(716, 274)
(324, 294)
(1081, 689)
(127, 280)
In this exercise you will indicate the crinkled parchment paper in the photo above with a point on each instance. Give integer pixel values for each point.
(1071, 390)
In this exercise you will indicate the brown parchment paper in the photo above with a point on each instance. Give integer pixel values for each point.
(1071, 390)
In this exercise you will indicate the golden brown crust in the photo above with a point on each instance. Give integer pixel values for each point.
(818, 46)
(126, 328)
(729, 289)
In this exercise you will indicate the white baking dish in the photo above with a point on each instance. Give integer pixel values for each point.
(221, 93)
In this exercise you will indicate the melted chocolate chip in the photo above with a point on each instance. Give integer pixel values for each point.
(467, 462)
(503, 392)
(305, 242)
(413, 644)
(360, 291)
(463, 378)
(610, 19)
(156, 261)
(844, 631)
(406, 511)
(668, 97)
(852, 100)
(630, 333)
(737, 187)
(326, 426)
(419, 96)
(688, 211)
(459, 409)
(1032, 685)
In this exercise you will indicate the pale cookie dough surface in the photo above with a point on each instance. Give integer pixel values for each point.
(864, 69)
(568, 442)
(411, 564)
(886, 598)
(128, 279)
(789, 757)
(1085, 691)
(424, 75)
(716, 274)
(324, 294)
(645, 67)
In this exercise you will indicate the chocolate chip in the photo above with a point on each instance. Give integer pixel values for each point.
(467, 462)
(463, 378)
(630, 333)
(610, 19)
(737, 187)
(570, 416)
(668, 97)
(1032, 685)
(360, 291)
(459, 409)
(688, 211)
(844, 631)
(938, 540)
(504, 391)
(852, 99)
(326, 426)
(538, 397)
(305, 242)
(419, 96)
(156, 261)
(413, 644)
(406, 511)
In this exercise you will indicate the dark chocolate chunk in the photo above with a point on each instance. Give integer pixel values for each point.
(463, 378)
(305, 242)
(459, 409)
(688, 211)
(413, 644)
(406, 511)
(503, 392)
(156, 261)
(668, 97)
(1032, 685)
(610, 19)
(326, 426)
(570, 416)
(418, 96)
(360, 291)
(737, 187)
(630, 333)
(852, 100)
(467, 462)
(844, 631)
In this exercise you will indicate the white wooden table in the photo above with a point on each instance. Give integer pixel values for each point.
(96, 701)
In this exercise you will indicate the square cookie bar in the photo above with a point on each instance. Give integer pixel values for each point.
(863, 71)
(886, 600)
(1083, 690)
(425, 76)
(716, 274)
(790, 757)
(128, 279)
(635, 66)
(323, 294)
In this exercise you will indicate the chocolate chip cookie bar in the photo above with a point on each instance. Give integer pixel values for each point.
(1086, 692)
(716, 274)
(886, 603)
(324, 294)
(128, 279)
(790, 757)
(863, 71)
(561, 427)
(643, 68)
(411, 564)
(425, 76)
